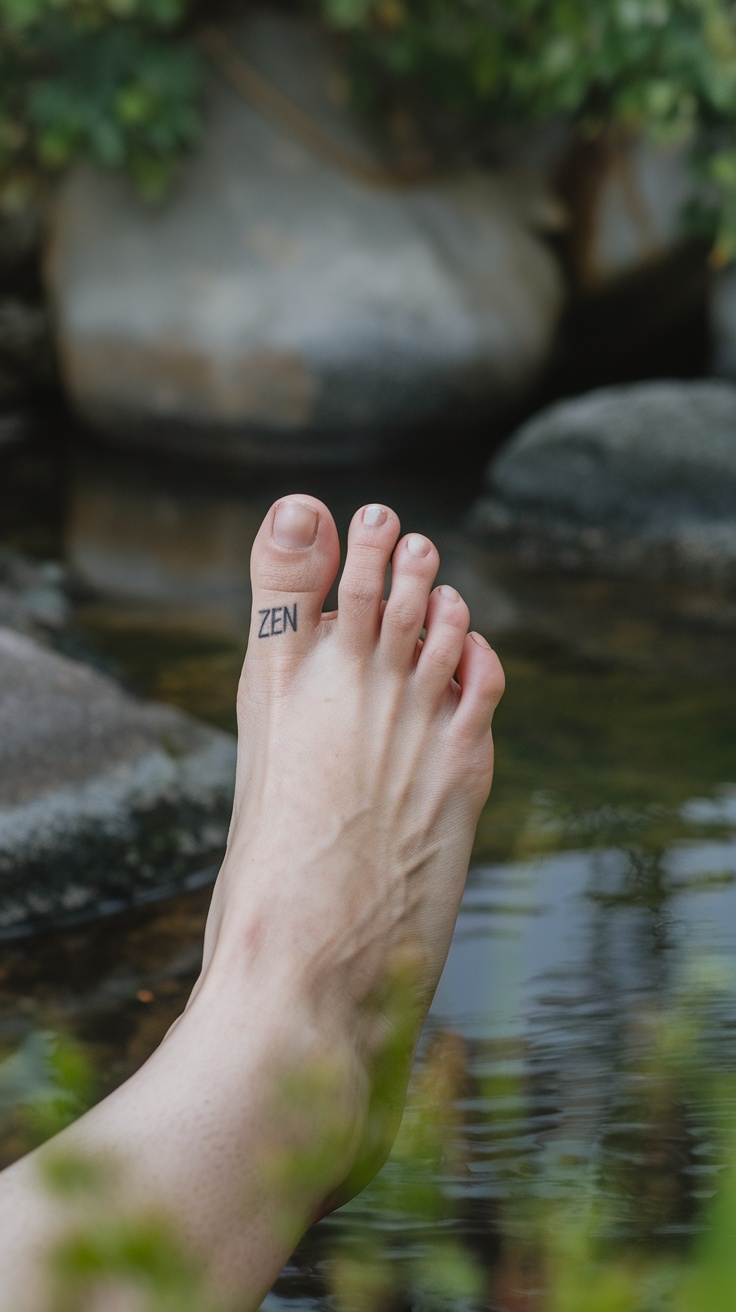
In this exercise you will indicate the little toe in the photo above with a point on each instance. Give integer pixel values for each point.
(294, 562)
(371, 539)
(482, 682)
(414, 565)
(447, 625)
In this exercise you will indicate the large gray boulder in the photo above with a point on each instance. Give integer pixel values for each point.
(281, 307)
(104, 800)
(641, 477)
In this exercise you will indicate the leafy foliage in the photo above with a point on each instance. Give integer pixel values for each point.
(557, 1242)
(109, 80)
(666, 67)
(115, 80)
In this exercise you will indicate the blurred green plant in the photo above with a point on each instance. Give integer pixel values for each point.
(108, 1250)
(666, 68)
(45, 1084)
(109, 80)
(554, 1240)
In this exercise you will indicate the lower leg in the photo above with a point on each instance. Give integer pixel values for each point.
(364, 759)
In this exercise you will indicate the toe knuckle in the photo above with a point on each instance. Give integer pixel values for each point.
(442, 656)
(402, 617)
(358, 592)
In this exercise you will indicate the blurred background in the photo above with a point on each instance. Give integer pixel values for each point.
(471, 258)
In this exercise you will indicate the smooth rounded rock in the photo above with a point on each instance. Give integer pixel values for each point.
(280, 308)
(104, 800)
(637, 478)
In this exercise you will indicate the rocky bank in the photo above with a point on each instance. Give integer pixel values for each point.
(104, 800)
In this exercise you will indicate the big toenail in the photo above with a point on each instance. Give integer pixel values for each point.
(448, 592)
(374, 515)
(295, 525)
(417, 545)
(478, 637)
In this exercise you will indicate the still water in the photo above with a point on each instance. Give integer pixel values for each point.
(600, 910)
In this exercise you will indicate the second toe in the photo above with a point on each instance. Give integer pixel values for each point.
(371, 539)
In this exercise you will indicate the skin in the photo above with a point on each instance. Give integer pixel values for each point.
(365, 757)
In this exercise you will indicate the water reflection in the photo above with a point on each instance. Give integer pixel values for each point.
(138, 540)
(158, 534)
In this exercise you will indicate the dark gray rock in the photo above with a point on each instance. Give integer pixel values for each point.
(104, 800)
(281, 308)
(640, 478)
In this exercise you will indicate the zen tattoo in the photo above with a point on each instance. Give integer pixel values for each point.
(276, 619)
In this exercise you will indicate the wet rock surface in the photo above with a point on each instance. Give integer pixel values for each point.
(631, 479)
(104, 800)
(280, 307)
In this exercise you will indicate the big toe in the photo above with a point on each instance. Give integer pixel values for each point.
(294, 563)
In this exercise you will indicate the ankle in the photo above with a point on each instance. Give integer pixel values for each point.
(281, 1036)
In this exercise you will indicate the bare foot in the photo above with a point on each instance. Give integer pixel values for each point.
(365, 758)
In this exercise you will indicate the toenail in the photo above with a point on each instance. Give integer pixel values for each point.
(417, 545)
(374, 515)
(478, 637)
(448, 592)
(295, 525)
